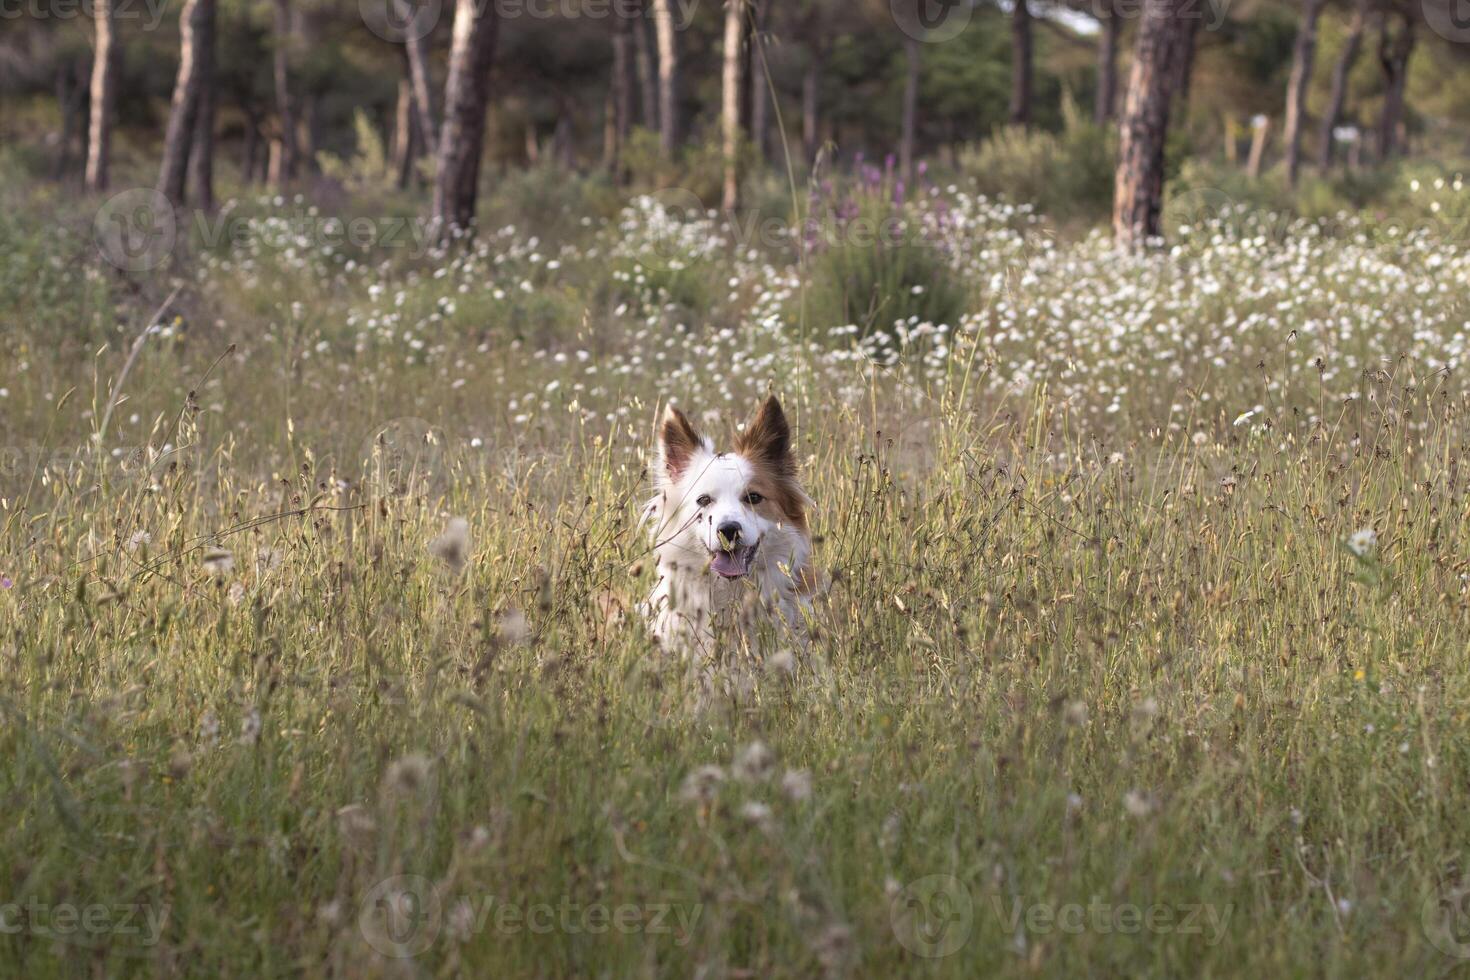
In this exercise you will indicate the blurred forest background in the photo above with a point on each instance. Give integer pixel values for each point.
(1306, 105)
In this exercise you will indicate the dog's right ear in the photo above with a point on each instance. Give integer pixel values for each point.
(678, 441)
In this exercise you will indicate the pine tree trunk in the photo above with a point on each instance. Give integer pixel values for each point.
(104, 95)
(811, 99)
(405, 135)
(620, 94)
(644, 56)
(668, 75)
(730, 107)
(910, 109)
(563, 138)
(1184, 70)
(466, 100)
(1296, 88)
(760, 101)
(283, 154)
(201, 153)
(1019, 113)
(416, 47)
(1260, 136)
(196, 29)
(70, 93)
(1340, 75)
(1139, 186)
(250, 155)
(1109, 28)
(311, 133)
(1394, 51)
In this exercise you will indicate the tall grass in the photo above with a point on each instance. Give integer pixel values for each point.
(1069, 659)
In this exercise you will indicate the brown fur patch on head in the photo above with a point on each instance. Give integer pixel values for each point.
(678, 441)
(766, 443)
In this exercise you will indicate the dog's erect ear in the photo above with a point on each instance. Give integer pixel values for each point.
(677, 442)
(768, 436)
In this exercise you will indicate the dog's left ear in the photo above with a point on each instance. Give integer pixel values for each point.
(768, 436)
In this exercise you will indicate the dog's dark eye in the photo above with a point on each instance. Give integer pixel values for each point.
(704, 500)
(753, 498)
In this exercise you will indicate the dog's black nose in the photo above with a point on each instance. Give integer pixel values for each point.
(730, 533)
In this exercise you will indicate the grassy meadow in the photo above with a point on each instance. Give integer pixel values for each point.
(1145, 649)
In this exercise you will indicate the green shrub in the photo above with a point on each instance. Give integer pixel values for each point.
(1067, 175)
(875, 267)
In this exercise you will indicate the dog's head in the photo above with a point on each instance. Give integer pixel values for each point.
(741, 511)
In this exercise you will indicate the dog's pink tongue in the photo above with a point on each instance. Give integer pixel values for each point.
(727, 564)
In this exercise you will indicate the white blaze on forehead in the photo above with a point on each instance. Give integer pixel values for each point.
(721, 474)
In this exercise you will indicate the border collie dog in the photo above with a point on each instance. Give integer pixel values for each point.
(730, 537)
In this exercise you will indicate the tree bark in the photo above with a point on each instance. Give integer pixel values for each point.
(196, 30)
(1394, 51)
(283, 162)
(563, 138)
(104, 94)
(730, 108)
(811, 104)
(1184, 70)
(644, 57)
(668, 75)
(70, 93)
(760, 100)
(910, 109)
(250, 155)
(1139, 185)
(1019, 113)
(201, 153)
(417, 49)
(1260, 136)
(466, 99)
(620, 94)
(1109, 28)
(1340, 75)
(1296, 88)
(405, 134)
